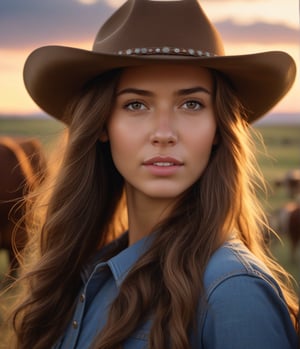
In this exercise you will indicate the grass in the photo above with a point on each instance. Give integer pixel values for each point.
(46, 130)
(283, 154)
(41, 128)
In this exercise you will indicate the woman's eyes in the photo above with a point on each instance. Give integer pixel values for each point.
(135, 106)
(192, 105)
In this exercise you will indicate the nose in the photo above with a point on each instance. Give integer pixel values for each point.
(164, 129)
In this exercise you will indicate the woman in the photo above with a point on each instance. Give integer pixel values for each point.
(159, 127)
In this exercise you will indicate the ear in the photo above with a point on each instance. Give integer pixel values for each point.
(104, 136)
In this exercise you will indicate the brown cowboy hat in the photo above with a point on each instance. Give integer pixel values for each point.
(149, 31)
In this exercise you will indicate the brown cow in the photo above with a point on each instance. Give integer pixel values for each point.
(294, 230)
(21, 166)
(288, 223)
(291, 182)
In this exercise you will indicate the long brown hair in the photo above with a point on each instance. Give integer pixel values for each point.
(166, 282)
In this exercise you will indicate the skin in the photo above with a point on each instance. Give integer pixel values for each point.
(161, 132)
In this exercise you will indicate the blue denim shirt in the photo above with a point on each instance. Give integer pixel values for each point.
(245, 310)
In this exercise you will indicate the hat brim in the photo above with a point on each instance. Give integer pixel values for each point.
(53, 74)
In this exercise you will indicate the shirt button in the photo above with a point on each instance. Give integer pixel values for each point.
(75, 324)
(82, 298)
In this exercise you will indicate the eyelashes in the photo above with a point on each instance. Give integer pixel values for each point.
(189, 105)
(192, 105)
(135, 106)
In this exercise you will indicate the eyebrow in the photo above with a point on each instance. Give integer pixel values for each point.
(182, 92)
(136, 91)
(188, 91)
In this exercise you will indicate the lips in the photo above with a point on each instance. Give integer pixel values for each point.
(161, 161)
(163, 166)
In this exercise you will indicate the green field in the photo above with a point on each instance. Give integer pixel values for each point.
(283, 153)
(282, 145)
(46, 130)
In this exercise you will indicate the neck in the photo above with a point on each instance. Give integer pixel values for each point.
(144, 213)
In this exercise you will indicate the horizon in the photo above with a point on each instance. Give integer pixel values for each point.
(271, 118)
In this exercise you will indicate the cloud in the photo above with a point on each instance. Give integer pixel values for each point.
(39, 22)
(32, 23)
(258, 33)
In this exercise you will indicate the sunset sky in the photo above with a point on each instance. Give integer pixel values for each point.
(247, 26)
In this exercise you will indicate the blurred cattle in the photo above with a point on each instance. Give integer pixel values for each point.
(291, 182)
(288, 223)
(22, 166)
(294, 229)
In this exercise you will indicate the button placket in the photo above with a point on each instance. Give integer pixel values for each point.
(80, 308)
(77, 318)
(74, 328)
(82, 298)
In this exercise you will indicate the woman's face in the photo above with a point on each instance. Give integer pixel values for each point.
(162, 128)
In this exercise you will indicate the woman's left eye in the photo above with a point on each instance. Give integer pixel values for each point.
(135, 106)
(192, 105)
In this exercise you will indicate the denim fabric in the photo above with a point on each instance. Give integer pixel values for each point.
(244, 307)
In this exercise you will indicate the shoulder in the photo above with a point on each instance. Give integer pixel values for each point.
(244, 304)
(233, 259)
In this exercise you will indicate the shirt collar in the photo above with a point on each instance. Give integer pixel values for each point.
(124, 261)
(121, 263)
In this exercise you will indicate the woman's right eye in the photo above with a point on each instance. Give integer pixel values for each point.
(135, 106)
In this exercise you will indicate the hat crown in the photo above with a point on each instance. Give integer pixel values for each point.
(143, 23)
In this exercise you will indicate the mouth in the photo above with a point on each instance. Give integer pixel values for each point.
(164, 164)
(161, 161)
(163, 167)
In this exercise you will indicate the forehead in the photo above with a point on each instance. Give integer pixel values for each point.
(172, 75)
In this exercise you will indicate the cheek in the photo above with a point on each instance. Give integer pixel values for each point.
(202, 151)
(116, 132)
(201, 139)
(126, 133)
(123, 144)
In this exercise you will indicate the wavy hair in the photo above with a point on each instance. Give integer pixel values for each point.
(82, 212)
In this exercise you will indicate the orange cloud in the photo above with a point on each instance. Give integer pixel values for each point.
(258, 32)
